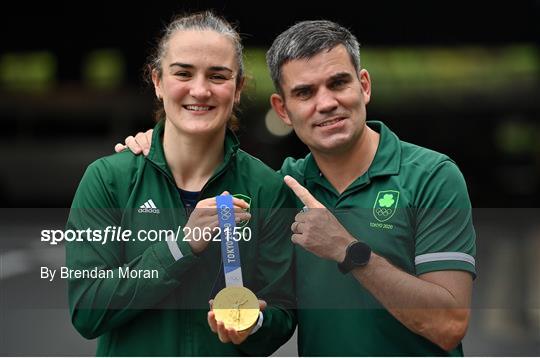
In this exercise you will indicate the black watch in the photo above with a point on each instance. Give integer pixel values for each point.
(357, 255)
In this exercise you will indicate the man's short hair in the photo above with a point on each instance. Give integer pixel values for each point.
(305, 40)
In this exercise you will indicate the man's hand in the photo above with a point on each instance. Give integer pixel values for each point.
(317, 230)
(205, 216)
(227, 335)
(138, 144)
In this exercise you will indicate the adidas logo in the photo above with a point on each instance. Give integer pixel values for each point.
(149, 208)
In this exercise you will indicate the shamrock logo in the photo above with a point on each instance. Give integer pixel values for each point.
(247, 199)
(387, 201)
(385, 204)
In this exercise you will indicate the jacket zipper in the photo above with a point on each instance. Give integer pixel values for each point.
(211, 180)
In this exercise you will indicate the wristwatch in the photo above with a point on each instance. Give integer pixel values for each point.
(357, 255)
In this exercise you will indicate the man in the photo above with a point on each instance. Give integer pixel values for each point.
(385, 242)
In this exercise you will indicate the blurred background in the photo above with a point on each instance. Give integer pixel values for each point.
(459, 77)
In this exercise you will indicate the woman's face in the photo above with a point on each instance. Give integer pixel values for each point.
(198, 84)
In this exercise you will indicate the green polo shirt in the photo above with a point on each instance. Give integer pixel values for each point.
(411, 207)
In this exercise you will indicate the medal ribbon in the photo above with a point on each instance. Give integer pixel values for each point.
(230, 253)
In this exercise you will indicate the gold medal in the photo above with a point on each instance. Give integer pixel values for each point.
(237, 307)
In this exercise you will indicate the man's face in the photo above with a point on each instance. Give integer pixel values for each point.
(324, 100)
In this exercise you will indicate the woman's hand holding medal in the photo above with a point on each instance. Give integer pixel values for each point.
(225, 334)
(205, 216)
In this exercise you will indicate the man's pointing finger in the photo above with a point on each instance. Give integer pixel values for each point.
(302, 193)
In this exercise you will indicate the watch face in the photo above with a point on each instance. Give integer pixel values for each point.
(360, 253)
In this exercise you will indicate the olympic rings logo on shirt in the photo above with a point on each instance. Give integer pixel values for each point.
(384, 211)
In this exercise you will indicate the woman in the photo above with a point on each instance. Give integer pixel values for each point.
(197, 73)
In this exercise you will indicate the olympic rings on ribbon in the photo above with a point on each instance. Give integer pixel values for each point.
(225, 212)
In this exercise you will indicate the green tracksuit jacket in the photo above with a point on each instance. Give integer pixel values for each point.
(166, 314)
